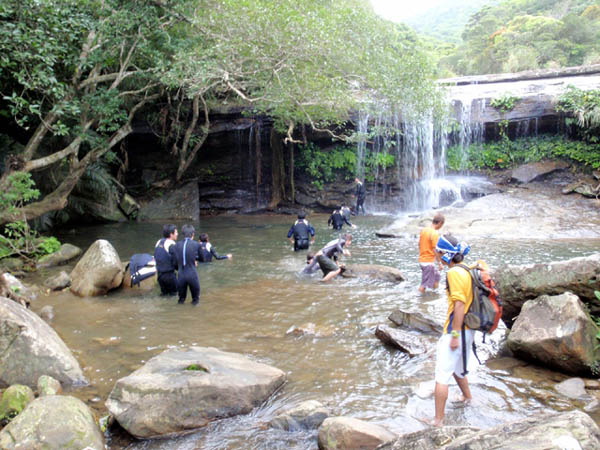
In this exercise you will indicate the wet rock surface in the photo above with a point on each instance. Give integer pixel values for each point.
(340, 433)
(179, 204)
(98, 271)
(66, 253)
(58, 282)
(568, 344)
(519, 283)
(532, 171)
(429, 439)
(416, 321)
(374, 271)
(403, 340)
(29, 348)
(14, 400)
(182, 390)
(307, 415)
(53, 422)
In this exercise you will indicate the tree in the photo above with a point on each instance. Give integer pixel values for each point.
(73, 75)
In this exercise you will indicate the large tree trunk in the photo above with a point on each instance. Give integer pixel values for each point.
(277, 170)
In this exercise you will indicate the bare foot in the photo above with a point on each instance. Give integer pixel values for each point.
(431, 422)
(461, 400)
(421, 289)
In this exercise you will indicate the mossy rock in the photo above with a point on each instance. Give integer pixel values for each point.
(14, 400)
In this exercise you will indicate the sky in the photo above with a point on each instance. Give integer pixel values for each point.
(399, 10)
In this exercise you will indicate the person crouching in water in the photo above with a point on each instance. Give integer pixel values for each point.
(165, 260)
(207, 251)
(338, 218)
(187, 253)
(449, 353)
(301, 230)
(429, 261)
(327, 256)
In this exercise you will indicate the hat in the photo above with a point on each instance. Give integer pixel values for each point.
(448, 250)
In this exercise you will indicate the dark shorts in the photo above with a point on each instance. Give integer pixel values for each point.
(430, 275)
(326, 264)
(301, 244)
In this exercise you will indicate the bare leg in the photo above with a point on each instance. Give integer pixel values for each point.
(463, 384)
(331, 275)
(421, 289)
(440, 395)
(435, 286)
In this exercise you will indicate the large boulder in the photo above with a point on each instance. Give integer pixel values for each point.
(374, 271)
(98, 271)
(179, 204)
(556, 332)
(529, 172)
(403, 340)
(307, 415)
(429, 438)
(29, 347)
(66, 253)
(54, 422)
(519, 283)
(184, 389)
(570, 430)
(345, 433)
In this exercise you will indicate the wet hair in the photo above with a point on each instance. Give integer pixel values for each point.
(309, 256)
(188, 231)
(439, 218)
(301, 215)
(343, 204)
(346, 236)
(459, 257)
(203, 237)
(168, 230)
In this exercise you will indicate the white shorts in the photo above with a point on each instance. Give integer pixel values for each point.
(449, 362)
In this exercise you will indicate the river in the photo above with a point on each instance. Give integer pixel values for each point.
(249, 303)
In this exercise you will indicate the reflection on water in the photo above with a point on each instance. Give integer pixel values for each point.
(247, 305)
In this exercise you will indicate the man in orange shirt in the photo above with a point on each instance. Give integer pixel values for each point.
(428, 258)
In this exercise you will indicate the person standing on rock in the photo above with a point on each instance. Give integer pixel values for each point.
(165, 260)
(451, 345)
(299, 233)
(360, 194)
(207, 251)
(187, 253)
(428, 259)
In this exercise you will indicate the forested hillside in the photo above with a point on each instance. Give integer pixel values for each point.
(517, 35)
(447, 21)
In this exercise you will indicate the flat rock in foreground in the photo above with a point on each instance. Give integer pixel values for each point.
(416, 321)
(29, 348)
(346, 433)
(429, 438)
(403, 340)
(184, 389)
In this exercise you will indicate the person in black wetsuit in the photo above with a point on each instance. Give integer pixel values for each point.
(165, 260)
(187, 252)
(300, 232)
(360, 194)
(338, 219)
(207, 251)
(346, 211)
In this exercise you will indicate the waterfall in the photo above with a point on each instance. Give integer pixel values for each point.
(363, 124)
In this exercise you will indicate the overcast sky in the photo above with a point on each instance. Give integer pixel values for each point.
(399, 10)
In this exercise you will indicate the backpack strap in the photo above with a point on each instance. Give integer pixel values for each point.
(464, 350)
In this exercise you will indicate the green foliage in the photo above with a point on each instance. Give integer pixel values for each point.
(505, 103)
(196, 367)
(504, 154)
(48, 245)
(583, 109)
(19, 191)
(515, 35)
(323, 166)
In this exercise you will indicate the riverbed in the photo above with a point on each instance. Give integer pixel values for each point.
(250, 304)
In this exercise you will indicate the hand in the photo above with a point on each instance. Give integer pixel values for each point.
(347, 253)
(229, 255)
(454, 343)
(353, 226)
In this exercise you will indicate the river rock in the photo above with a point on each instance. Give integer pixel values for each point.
(12, 265)
(179, 204)
(47, 313)
(416, 321)
(17, 287)
(54, 422)
(66, 253)
(570, 430)
(345, 433)
(310, 329)
(29, 347)
(374, 271)
(129, 206)
(58, 282)
(184, 389)
(429, 438)
(14, 400)
(556, 332)
(529, 172)
(572, 388)
(48, 386)
(519, 283)
(400, 339)
(308, 415)
(98, 271)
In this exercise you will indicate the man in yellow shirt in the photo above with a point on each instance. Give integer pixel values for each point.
(428, 259)
(449, 353)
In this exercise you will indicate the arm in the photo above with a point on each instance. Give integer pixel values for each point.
(311, 231)
(290, 233)
(457, 295)
(217, 256)
(330, 220)
(459, 315)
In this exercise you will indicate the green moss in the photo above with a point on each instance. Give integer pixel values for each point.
(197, 367)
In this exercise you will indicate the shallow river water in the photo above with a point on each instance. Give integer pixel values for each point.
(249, 303)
